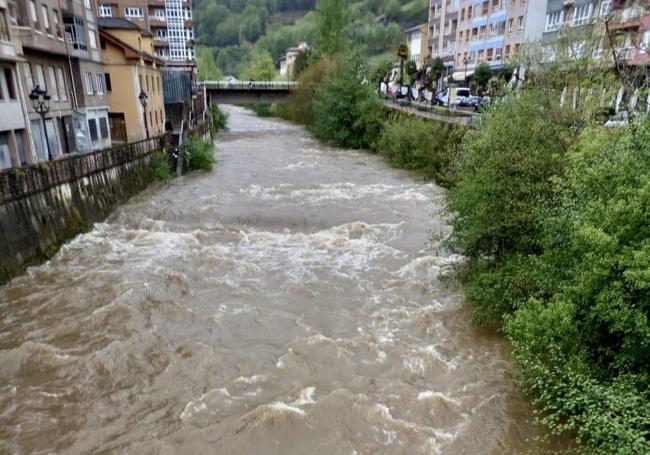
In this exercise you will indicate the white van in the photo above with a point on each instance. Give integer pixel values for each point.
(454, 96)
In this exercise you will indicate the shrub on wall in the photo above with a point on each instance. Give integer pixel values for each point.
(198, 154)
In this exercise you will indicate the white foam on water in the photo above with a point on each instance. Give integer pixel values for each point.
(306, 396)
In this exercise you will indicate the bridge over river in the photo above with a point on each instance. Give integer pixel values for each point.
(249, 92)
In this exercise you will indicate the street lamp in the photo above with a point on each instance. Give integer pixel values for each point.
(144, 100)
(41, 104)
(465, 61)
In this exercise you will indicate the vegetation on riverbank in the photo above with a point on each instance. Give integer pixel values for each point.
(198, 154)
(551, 211)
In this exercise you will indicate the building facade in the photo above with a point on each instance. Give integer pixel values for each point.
(133, 74)
(466, 33)
(15, 138)
(417, 41)
(170, 21)
(288, 61)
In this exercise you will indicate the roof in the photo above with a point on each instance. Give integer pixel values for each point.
(414, 28)
(119, 23)
(129, 51)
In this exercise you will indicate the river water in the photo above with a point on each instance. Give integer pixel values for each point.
(285, 303)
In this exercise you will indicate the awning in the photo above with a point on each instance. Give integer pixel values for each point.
(460, 75)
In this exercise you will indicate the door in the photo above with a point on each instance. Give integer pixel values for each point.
(118, 127)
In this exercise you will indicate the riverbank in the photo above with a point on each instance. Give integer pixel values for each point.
(282, 302)
(549, 210)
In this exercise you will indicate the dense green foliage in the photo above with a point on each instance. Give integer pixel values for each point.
(345, 109)
(553, 216)
(197, 153)
(219, 119)
(414, 143)
(159, 167)
(207, 66)
(231, 29)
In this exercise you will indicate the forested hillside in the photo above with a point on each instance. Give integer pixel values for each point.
(247, 38)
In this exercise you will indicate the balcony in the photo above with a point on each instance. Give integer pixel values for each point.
(160, 42)
(628, 19)
(156, 3)
(157, 21)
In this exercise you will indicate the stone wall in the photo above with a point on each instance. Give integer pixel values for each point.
(42, 206)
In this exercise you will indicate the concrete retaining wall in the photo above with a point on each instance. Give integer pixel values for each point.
(43, 206)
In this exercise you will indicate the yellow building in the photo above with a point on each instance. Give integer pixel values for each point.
(133, 80)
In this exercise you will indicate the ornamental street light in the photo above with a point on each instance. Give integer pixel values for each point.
(144, 100)
(41, 104)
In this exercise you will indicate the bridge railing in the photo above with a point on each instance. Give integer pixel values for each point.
(249, 85)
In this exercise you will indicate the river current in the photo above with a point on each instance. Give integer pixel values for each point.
(288, 302)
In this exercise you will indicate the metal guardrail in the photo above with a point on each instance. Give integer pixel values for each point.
(427, 111)
(25, 181)
(249, 85)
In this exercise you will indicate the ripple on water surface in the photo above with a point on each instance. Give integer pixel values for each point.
(283, 304)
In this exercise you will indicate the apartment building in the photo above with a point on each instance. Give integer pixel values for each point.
(15, 139)
(135, 86)
(575, 14)
(493, 31)
(417, 40)
(61, 56)
(170, 21)
(443, 27)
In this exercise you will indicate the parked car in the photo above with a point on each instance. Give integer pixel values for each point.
(454, 96)
(617, 121)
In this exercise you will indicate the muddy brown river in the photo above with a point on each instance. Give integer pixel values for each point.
(288, 302)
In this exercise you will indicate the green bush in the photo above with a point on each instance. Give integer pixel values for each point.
(413, 143)
(198, 154)
(346, 110)
(159, 166)
(219, 119)
(556, 225)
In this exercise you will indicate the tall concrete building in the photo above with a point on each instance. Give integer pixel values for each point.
(15, 138)
(170, 21)
(466, 33)
(443, 27)
(61, 55)
(493, 31)
(417, 40)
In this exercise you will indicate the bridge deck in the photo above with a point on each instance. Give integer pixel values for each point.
(273, 86)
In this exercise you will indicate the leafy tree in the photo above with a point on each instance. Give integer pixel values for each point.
(302, 62)
(402, 53)
(413, 75)
(346, 110)
(482, 76)
(393, 9)
(383, 73)
(434, 75)
(331, 27)
(259, 67)
(207, 66)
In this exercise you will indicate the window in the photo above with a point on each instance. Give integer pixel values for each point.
(92, 127)
(5, 155)
(4, 27)
(87, 3)
(160, 14)
(46, 18)
(520, 23)
(9, 80)
(75, 33)
(605, 7)
(158, 83)
(136, 13)
(103, 127)
(55, 19)
(63, 91)
(107, 78)
(105, 11)
(510, 22)
(54, 90)
(89, 84)
(32, 11)
(581, 15)
(29, 79)
(40, 77)
(100, 83)
(93, 39)
(554, 20)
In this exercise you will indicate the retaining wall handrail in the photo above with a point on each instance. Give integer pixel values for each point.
(426, 112)
(21, 182)
(250, 85)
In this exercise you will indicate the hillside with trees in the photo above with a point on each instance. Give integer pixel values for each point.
(240, 34)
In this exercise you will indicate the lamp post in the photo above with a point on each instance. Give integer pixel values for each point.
(41, 104)
(144, 100)
(465, 61)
